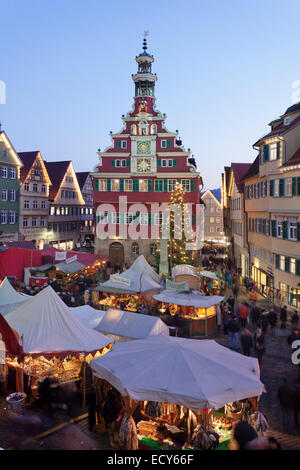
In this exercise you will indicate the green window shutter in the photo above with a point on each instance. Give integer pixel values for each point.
(118, 144)
(298, 231)
(113, 163)
(287, 264)
(96, 184)
(108, 185)
(165, 185)
(135, 185)
(174, 162)
(168, 143)
(179, 181)
(285, 230)
(298, 186)
(193, 220)
(271, 187)
(278, 150)
(127, 162)
(149, 219)
(281, 187)
(297, 267)
(192, 186)
(149, 185)
(266, 153)
(121, 185)
(274, 228)
(294, 186)
(159, 162)
(277, 261)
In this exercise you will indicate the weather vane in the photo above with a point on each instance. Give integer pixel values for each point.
(146, 33)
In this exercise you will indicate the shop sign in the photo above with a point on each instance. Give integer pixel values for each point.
(120, 279)
(70, 260)
(60, 255)
(177, 286)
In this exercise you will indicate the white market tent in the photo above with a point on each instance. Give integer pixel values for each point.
(125, 326)
(88, 315)
(10, 298)
(141, 265)
(184, 269)
(210, 275)
(189, 299)
(132, 281)
(48, 325)
(192, 373)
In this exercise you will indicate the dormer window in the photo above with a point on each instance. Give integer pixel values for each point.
(287, 121)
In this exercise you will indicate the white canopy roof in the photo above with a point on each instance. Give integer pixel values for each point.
(190, 299)
(141, 265)
(136, 281)
(10, 298)
(131, 325)
(184, 269)
(88, 315)
(49, 325)
(210, 275)
(192, 373)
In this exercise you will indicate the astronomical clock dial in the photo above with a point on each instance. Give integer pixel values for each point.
(143, 147)
(143, 165)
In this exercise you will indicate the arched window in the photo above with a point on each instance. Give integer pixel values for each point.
(153, 129)
(135, 250)
(153, 248)
(143, 128)
(133, 129)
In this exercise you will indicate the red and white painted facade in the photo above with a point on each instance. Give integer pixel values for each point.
(143, 163)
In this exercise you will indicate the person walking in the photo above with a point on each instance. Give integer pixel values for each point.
(272, 320)
(283, 317)
(231, 302)
(264, 321)
(255, 314)
(234, 329)
(235, 290)
(243, 313)
(246, 341)
(259, 344)
(295, 319)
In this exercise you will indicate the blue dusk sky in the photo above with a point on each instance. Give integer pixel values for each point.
(225, 70)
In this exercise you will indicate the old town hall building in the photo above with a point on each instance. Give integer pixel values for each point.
(143, 163)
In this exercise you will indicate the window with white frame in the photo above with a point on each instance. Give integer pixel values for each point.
(26, 204)
(12, 195)
(123, 163)
(12, 217)
(115, 185)
(117, 163)
(186, 185)
(127, 185)
(52, 210)
(102, 185)
(143, 186)
(273, 151)
(279, 228)
(164, 162)
(25, 222)
(12, 173)
(43, 188)
(292, 265)
(4, 172)
(4, 195)
(35, 187)
(35, 204)
(292, 230)
(164, 144)
(42, 222)
(282, 263)
(43, 204)
(3, 217)
(26, 187)
(57, 212)
(171, 185)
(34, 222)
(288, 186)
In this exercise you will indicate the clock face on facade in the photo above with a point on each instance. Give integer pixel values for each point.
(143, 147)
(144, 164)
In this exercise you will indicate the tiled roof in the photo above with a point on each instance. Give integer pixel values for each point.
(28, 159)
(295, 160)
(217, 194)
(239, 170)
(253, 170)
(281, 129)
(292, 109)
(81, 178)
(57, 171)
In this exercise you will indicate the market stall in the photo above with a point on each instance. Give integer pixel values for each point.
(10, 298)
(186, 273)
(55, 341)
(196, 312)
(126, 326)
(88, 315)
(185, 390)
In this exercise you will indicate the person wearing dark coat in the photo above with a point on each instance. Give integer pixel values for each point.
(246, 342)
(234, 329)
(283, 317)
(259, 344)
(272, 320)
(295, 319)
(264, 322)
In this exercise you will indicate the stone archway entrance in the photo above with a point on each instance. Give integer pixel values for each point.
(116, 253)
